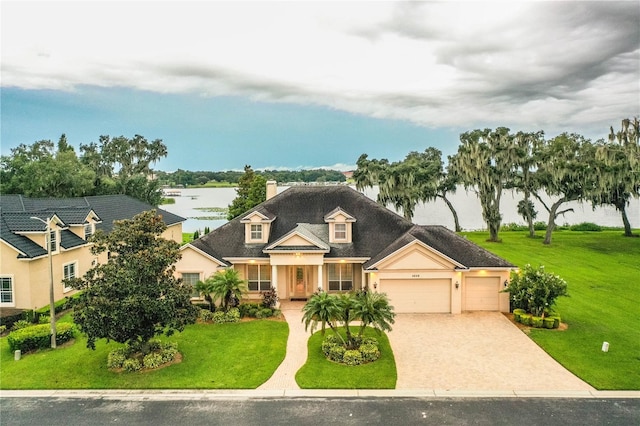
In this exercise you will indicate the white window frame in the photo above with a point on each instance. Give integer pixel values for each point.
(261, 283)
(66, 275)
(194, 293)
(342, 231)
(10, 291)
(340, 276)
(52, 240)
(256, 234)
(88, 226)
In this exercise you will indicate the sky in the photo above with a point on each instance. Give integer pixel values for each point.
(312, 84)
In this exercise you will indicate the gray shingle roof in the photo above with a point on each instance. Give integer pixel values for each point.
(16, 212)
(376, 233)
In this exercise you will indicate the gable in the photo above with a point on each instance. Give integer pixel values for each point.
(296, 240)
(415, 257)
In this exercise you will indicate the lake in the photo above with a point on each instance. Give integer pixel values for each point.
(191, 201)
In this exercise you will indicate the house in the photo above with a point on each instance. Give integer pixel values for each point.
(24, 265)
(336, 239)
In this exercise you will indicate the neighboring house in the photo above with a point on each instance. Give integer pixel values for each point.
(24, 265)
(336, 239)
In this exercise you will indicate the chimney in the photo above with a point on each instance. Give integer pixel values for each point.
(272, 189)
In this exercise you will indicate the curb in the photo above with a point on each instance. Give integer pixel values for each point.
(229, 394)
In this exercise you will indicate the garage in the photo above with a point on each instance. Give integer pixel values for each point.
(482, 294)
(418, 296)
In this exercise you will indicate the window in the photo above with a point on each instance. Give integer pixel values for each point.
(259, 277)
(340, 231)
(53, 241)
(340, 276)
(68, 273)
(256, 232)
(88, 230)
(191, 279)
(6, 291)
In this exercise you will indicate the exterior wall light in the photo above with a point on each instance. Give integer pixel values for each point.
(457, 285)
(375, 285)
(506, 283)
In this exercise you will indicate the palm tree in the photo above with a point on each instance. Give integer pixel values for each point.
(225, 285)
(373, 309)
(321, 308)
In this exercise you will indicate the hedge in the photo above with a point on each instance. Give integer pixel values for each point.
(39, 337)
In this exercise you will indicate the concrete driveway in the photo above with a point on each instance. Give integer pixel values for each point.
(473, 351)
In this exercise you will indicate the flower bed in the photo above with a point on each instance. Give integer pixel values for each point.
(333, 348)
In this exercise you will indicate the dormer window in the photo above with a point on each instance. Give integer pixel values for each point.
(340, 226)
(340, 231)
(88, 230)
(53, 241)
(256, 231)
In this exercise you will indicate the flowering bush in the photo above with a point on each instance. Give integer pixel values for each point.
(535, 290)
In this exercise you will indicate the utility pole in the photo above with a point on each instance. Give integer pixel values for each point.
(52, 308)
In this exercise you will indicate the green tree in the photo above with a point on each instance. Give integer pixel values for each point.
(485, 163)
(225, 285)
(565, 171)
(618, 169)
(134, 296)
(535, 290)
(371, 309)
(252, 190)
(419, 177)
(524, 179)
(123, 166)
(39, 170)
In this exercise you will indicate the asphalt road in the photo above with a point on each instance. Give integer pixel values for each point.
(320, 411)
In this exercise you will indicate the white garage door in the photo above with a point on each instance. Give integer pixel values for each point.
(418, 296)
(482, 294)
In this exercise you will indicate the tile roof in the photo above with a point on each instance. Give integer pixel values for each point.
(17, 211)
(376, 233)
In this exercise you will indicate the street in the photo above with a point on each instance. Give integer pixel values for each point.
(319, 411)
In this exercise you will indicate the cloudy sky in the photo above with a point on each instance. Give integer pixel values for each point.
(284, 84)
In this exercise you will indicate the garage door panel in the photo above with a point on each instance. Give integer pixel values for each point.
(418, 296)
(483, 294)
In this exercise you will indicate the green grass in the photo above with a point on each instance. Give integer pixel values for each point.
(320, 373)
(222, 356)
(602, 270)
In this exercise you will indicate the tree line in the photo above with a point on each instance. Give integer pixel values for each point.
(188, 178)
(118, 165)
(566, 168)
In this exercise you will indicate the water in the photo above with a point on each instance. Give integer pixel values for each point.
(435, 213)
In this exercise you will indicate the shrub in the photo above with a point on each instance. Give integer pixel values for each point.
(525, 319)
(336, 353)
(536, 322)
(556, 321)
(38, 337)
(352, 357)
(152, 360)
(248, 309)
(131, 365)
(369, 352)
(218, 317)
(539, 226)
(233, 315)
(169, 352)
(269, 298)
(9, 320)
(327, 346)
(586, 226)
(205, 315)
(21, 324)
(514, 227)
(44, 319)
(548, 322)
(3, 328)
(116, 358)
(264, 313)
(535, 290)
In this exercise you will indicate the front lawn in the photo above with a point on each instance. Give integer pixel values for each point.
(215, 356)
(320, 373)
(602, 270)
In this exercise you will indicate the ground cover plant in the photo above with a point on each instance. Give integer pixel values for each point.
(601, 270)
(239, 355)
(320, 373)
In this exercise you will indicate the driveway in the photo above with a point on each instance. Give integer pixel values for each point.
(473, 351)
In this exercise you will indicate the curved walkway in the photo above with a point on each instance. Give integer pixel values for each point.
(285, 375)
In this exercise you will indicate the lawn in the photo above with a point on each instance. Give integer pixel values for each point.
(602, 270)
(320, 373)
(215, 356)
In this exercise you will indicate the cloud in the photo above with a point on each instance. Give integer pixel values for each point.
(528, 65)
